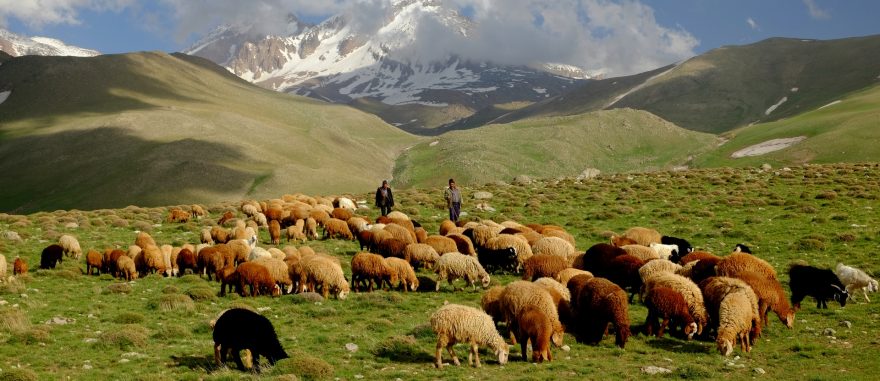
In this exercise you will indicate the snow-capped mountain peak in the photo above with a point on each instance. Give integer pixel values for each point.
(17, 45)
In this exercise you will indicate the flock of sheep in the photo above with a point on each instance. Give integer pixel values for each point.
(690, 293)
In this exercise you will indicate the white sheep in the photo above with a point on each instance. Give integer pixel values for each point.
(664, 251)
(735, 319)
(454, 323)
(452, 266)
(854, 280)
(657, 266)
(70, 246)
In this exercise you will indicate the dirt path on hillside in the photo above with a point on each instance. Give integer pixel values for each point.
(767, 147)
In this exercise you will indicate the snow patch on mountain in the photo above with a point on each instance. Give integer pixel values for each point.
(774, 107)
(4, 96)
(17, 45)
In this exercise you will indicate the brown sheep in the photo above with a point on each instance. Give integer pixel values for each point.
(227, 216)
(400, 232)
(198, 211)
(737, 263)
(540, 266)
(143, 239)
(257, 278)
(445, 227)
(150, 261)
(370, 268)
(643, 236)
(669, 305)
(341, 213)
(598, 257)
(274, 214)
(110, 258)
(771, 296)
(463, 244)
(442, 244)
(621, 241)
(421, 255)
(365, 239)
(125, 268)
(405, 273)
(178, 215)
(228, 279)
(336, 228)
(19, 266)
(94, 261)
(534, 325)
(186, 260)
(219, 235)
(698, 256)
(311, 228)
(491, 303)
(392, 247)
(623, 270)
(295, 232)
(210, 259)
(275, 232)
(565, 275)
(597, 303)
(421, 235)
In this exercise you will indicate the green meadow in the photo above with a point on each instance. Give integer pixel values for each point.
(63, 324)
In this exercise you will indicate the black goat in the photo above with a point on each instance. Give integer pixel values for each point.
(239, 329)
(503, 260)
(684, 247)
(821, 284)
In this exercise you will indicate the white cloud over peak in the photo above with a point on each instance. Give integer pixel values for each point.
(815, 11)
(36, 14)
(752, 23)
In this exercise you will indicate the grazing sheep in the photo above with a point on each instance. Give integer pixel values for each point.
(855, 280)
(667, 304)
(227, 216)
(94, 261)
(699, 270)
(554, 246)
(324, 273)
(125, 268)
(658, 266)
(452, 266)
(143, 239)
(442, 244)
(741, 248)
(228, 278)
(446, 226)
(178, 215)
(598, 257)
(240, 329)
(257, 278)
(501, 260)
(644, 253)
(219, 235)
(368, 269)
(770, 296)
(275, 232)
(480, 235)
(210, 260)
(665, 251)
(741, 262)
(596, 303)
(51, 256)
(736, 319)
(421, 255)
(19, 266)
(337, 228)
(519, 295)
(249, 209)
(553, 284)
(643, 236)
(620, 241)
(70, 246)
(341, 213)
(401, 233)
(205, 237)
(357, 224)
(279, 271)
(491, 303)
(392, 247)
(198, 211)
(463, 244)
(684, 247)
(518, 243)
(687, 288)
(539, 266)
(186, 260)
(150, 261)
(715, 289)
(110, 257)
(821, 284)
(405, 273)
(623, 270)
(698, 256)
(565, 275)
(535, 326)
(311, 228)
(454, 323)
(558, 232)
(258, 253)
(167, 266)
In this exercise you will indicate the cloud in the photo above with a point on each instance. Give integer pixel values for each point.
(36, 14)
(752, 23)
(816, 12)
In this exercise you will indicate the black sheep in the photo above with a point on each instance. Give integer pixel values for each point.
(684, 247)
(50, 257)
(821, 284)
(504, 260)
(740, 248)
(239, 329)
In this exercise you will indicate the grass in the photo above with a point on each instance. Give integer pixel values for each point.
(149, 331)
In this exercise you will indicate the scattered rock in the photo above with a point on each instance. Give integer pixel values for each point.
(87, 366)
(846, 323)
(588, 173)
(359, 376)
(351, 347)
(829, 332)
(484, 206)
(71, 225)
(652, 370)
(60, 320)
(566, 348)
(482, 195)
(12, 236)
(522, 180)
(766, 167)
(264, 309)
(90, 340)
(760, 371)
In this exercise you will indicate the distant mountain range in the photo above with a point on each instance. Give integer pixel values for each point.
(17, 45)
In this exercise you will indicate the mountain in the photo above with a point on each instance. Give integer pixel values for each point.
(339, 61)
(17, 45)
(155, 129)
(732, 86)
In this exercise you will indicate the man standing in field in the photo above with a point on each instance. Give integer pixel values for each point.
(453, 200)
(384, 198)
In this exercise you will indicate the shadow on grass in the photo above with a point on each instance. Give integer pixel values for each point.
(670, 344)
(205, 362)
(403, 349)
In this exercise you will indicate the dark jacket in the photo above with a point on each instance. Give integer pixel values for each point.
(384, 201)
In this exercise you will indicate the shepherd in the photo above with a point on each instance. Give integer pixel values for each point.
(384, 198)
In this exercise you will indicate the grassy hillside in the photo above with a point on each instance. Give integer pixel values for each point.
(151, 128)
(845, 131)
(60, 324)
(611, 141)
(734, 86)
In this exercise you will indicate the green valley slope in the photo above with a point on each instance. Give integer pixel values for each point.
(153, 129)
(611, 141)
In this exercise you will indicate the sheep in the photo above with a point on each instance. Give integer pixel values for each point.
(741, 248)
(405, 273)
(219, 235)
(150, 260)
(491, 303)
(715, 289)
(275, 232)
(553, 284)
(401, 233)
(455, 323)
(178, 215)
(167, 266)
(227, 216)
(739, 262)
(644, 253)
(697, 256)
(821, 284)
(421, 234)
(619, 241)
(341, 213)
(665, 251)
(70, 245)
(445, 227)
(143, 239)
(421, 255)
(240, 329)
(736, 319)
(198, 211)
(94, 261)
(658, 266)
(186, 260)
(554, 246)
(558, 232)
(125, 268)
(623, 270)
(257, 278)
(855, 280)
(452, 266)
(249, 209)
(337, 228)
(344, 203)
(643, 236)
(259, 253)
(597, 258)
(276, 253)
(480, 235)
(770, 297)
(110, 258)
(357, 224)
(205, 236)
(687, 288)
(669, 305)
(392, 247)
(311, 228)
(279, 271)
(565, 275)
(442, 244)
(210, 259)
(535, 326)
(519, 295)
(19, 266)
(500, 260)
(543, 266)
(228, 278)
(518, 243)
(370, 268)
(684, 247)
(596, 303)
(323, 272)
(3, 268)
(134, 251)
(463, 244)
(260, 220)
(51, 256)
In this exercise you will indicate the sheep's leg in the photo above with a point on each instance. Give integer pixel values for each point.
(663, 325)
(649, 323)
(438, 355)
(452, 353)
(475, 350)
(236, 355)
(218, 354)
(865, 290)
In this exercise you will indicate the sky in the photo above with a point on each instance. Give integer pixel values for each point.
(626, 35)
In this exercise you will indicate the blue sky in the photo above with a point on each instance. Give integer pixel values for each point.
(683, 27)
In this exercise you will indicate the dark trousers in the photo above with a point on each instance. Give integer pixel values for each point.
(454, 211)
(385, 210)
